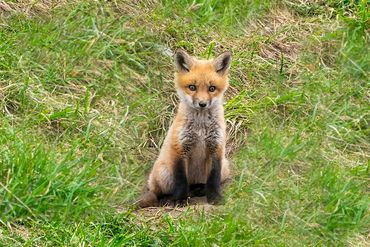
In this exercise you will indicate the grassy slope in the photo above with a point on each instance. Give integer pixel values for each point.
(86, 96)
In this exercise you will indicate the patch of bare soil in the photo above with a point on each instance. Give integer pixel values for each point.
(197, 205)
(286, 33)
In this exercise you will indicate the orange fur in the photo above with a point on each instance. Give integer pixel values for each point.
(202, 74)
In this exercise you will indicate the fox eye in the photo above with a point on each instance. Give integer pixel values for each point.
(212, 88)
(192, 87)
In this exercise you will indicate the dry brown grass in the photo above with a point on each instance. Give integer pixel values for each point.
(30, 7)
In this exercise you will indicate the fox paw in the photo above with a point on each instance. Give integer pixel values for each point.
(173, 203)
(215, 198)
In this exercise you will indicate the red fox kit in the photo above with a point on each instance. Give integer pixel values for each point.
(192, 159)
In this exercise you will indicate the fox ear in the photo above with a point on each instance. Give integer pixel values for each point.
(183, 62)
(222, 62)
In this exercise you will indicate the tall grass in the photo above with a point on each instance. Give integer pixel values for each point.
(86, 98)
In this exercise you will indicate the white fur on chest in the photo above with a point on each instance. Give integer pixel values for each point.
(199, 127)
(201, 122)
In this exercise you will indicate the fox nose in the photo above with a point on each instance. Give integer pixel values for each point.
(202, 104)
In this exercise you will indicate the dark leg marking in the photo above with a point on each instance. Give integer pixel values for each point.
(180, 191)
(165, 199)
(213, 186)
(197, 190)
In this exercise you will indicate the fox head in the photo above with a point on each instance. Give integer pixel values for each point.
(201, 84)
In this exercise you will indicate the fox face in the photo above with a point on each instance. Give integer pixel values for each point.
(201, 83)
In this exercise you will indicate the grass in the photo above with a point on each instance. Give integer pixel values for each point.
(86, 97)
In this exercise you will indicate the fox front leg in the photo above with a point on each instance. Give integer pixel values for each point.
(213, 185)
(179, 193)
(215, 150)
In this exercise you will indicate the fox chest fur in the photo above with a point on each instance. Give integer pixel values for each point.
(199, 137)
